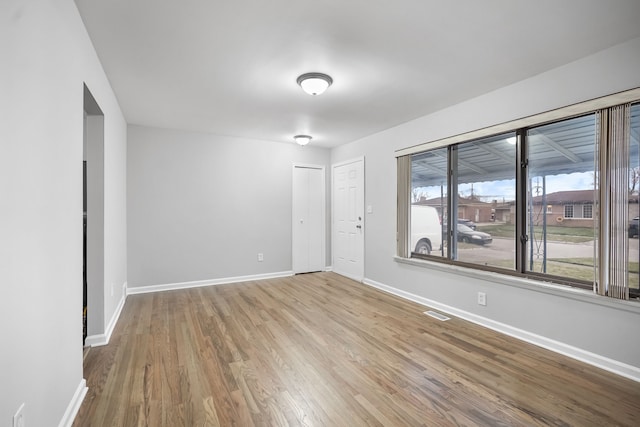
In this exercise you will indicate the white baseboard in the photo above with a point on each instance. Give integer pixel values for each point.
(328, 268)
(196, 284)
(350, 276)
(103, 339)
(74, 405)
(611, 365)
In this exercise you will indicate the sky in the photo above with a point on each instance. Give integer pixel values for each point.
(504, 190)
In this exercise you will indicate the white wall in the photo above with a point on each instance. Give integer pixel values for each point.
(201, 206)
(46, 56)
(604, 330)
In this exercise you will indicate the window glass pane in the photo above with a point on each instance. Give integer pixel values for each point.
(561, 183)
(428, 202)
(485, 222)
(634, 190)
(568, 211)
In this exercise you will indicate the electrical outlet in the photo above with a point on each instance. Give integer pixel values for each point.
(18, 418)
(482, 298)
(260, 257)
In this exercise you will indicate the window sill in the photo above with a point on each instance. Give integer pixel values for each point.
(550, 288)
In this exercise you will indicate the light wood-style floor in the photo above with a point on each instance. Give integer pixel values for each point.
(322, 350)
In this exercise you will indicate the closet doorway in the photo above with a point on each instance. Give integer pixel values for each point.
(308, 218)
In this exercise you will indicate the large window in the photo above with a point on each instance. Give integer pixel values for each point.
(429, 203)
(485, 172)
(483, 178)
(557, 201)
(561, 170)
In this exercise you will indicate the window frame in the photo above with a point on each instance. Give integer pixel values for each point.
(520, 127)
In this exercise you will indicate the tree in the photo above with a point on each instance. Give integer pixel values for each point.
(417, 195)
(634, 178)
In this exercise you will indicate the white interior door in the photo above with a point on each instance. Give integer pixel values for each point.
(308, 231)
(348, 218)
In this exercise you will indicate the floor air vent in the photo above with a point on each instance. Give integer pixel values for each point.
(436, 315)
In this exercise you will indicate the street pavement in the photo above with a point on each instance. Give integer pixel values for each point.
(502, 249)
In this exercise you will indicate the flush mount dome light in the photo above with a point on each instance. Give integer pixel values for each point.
(314, 83)
(302, 139)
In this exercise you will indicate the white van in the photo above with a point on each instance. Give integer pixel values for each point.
(426, 230)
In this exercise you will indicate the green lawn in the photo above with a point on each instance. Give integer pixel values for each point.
(578, 268)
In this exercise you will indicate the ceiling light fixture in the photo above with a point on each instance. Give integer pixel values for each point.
(302, 139)
(314, 83)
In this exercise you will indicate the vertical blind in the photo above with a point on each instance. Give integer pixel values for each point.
(404, 188)
(613, 247)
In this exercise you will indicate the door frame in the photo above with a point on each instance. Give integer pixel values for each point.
(323, 215)
(334, 240)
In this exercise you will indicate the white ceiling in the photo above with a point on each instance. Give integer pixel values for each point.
(230, 66)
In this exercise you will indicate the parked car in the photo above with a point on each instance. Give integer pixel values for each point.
(467, 222)
(633, 227)
(469, 235)
(426, 231)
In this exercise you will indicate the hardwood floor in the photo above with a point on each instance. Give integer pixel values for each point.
(322, 350)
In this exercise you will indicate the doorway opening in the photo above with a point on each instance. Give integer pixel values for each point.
(93, 218)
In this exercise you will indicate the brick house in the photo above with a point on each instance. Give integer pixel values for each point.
(567, 208)
(572, 208)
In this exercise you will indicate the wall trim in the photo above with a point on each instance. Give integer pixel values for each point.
(103, 339)
(593, 359)
(200, 283)
(74, 405)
